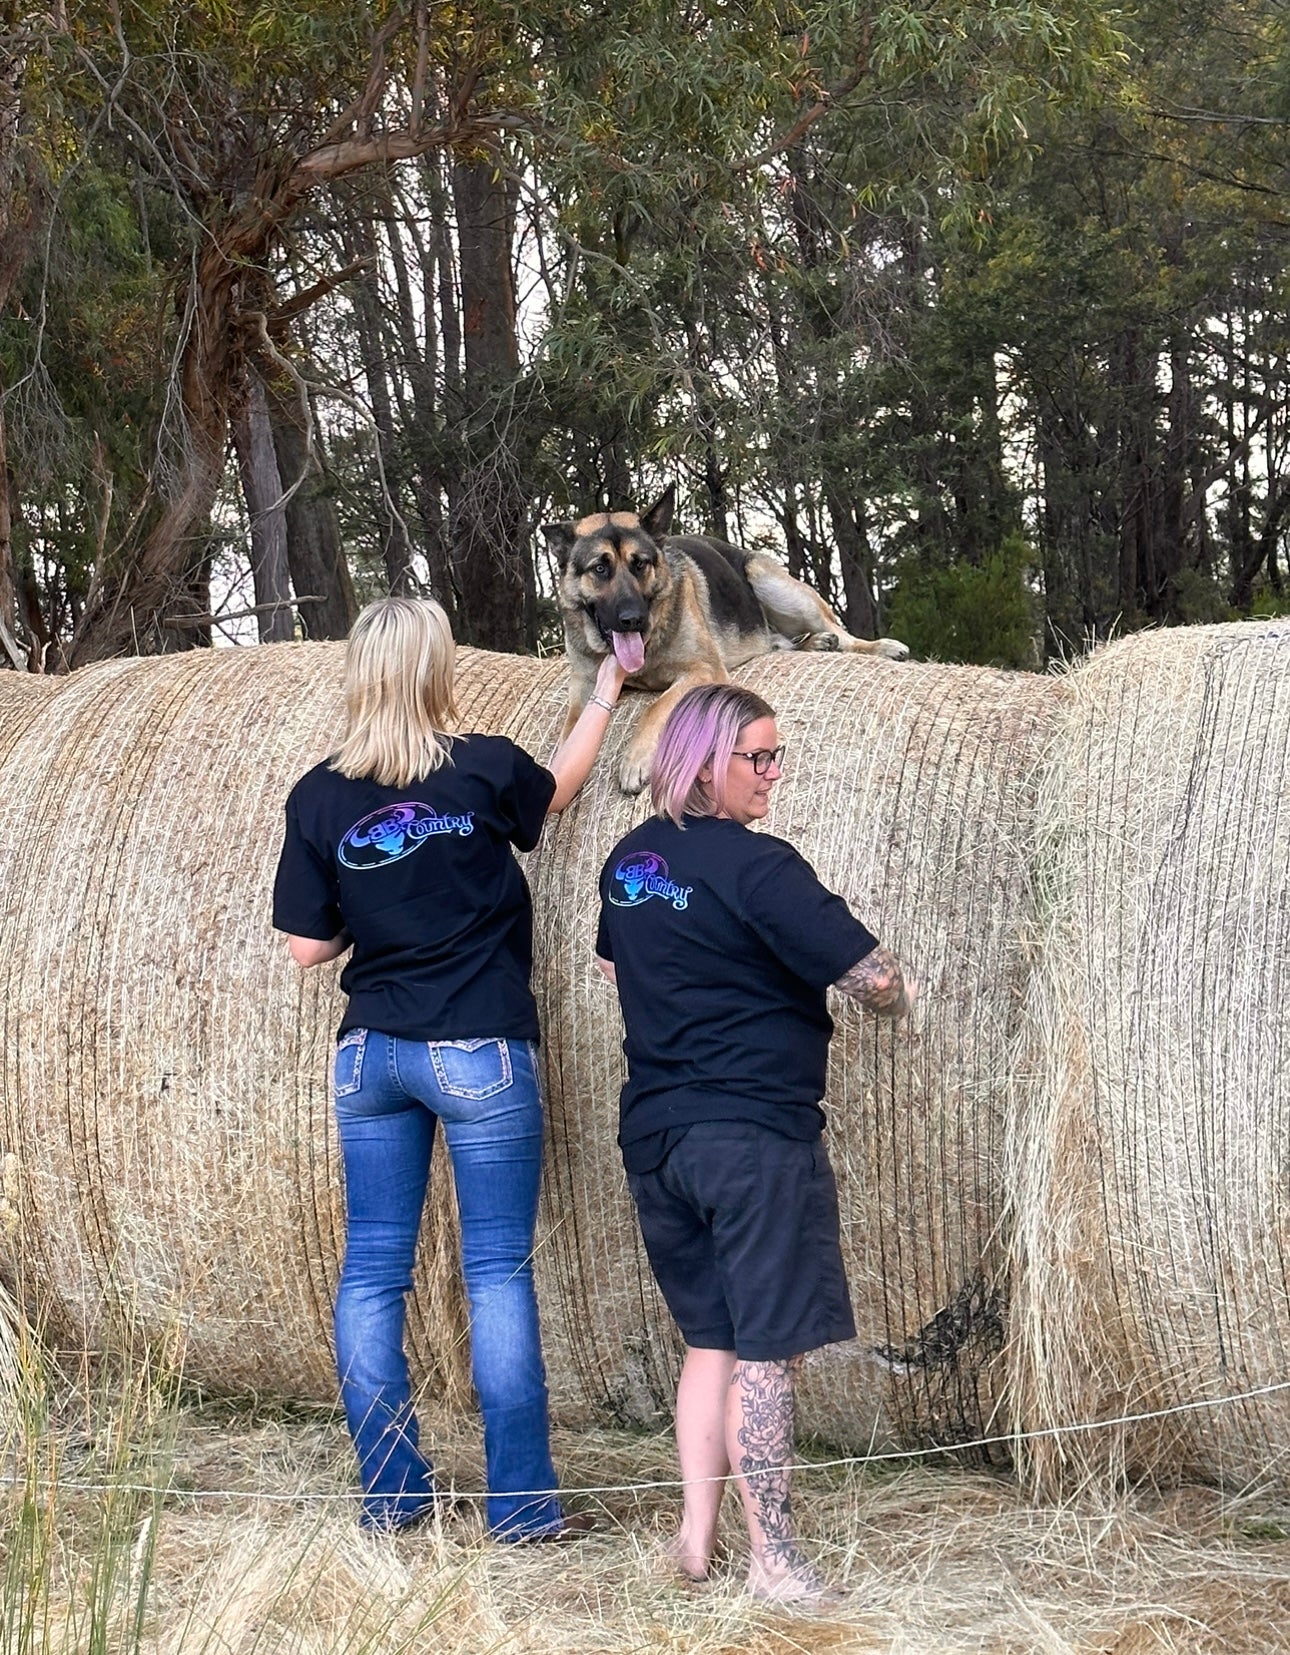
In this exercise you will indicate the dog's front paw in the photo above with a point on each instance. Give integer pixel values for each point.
(633, 771)
(891, 649)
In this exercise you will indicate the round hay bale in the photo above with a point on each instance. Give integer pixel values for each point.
(1153, 1212)
(911, 789)
(22, 696)
(165, 1076)
(164, 1067)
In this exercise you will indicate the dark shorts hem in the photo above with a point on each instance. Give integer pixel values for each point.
(800, 1346)
(718, 1338)
(741, 1227)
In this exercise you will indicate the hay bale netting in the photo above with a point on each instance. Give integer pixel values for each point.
(164, 1067)
(912, 791)
(1152, 1194)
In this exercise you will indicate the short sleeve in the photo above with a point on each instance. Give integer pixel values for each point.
(305, 895)
(532, 787)
(604, 947)
(804, 924)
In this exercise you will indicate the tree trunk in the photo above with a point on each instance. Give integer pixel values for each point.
(490, 543)
(12, 653)
(1130, 360)
(396, 550)
(315, 556)
(126, 611)
(262, 491)
(15, 229)
(422, 419)
(1171, 537)
(860, 604)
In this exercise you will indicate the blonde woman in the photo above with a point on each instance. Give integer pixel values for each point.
(398, 849)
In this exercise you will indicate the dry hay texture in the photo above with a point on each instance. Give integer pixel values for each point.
(170, 1167)
(164, 1067)
(22, 698)
(911, 789)
(1152, 1150)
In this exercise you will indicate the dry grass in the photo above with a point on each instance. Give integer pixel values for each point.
(1149, 1182)
(248, 1547)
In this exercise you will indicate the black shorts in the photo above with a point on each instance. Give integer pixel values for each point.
(741, 1227)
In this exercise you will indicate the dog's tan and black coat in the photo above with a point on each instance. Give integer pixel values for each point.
(677, 610)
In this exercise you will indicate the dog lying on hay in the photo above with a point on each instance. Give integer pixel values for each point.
(677, 610)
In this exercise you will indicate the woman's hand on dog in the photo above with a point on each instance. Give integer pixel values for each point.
(610, 678)
(572, 764)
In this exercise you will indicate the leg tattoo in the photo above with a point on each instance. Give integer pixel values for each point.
(760, 1431)
(764, 1436)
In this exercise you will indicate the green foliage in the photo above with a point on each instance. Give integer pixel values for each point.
(86, 384)
(984, 615)
(1200, 599)
(867, 279)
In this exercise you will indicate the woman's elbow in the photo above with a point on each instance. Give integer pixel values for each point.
(310, 951)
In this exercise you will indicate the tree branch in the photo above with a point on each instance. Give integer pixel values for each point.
(183, 623)
(310, 296)
(335, 160)
(361, 109)
(828, 100)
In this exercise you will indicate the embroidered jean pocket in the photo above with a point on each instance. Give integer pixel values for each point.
(473, 1069)
(347, 1072)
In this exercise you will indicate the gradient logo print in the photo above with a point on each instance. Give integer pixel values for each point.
(396, 831)
(637, 878)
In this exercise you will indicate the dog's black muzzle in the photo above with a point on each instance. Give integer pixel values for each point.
(619, 617)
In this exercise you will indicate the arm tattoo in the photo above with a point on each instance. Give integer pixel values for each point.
(765, 1438)
(877, 982)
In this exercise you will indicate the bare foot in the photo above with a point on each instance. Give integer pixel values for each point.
(797, 1586)
(691, 1561)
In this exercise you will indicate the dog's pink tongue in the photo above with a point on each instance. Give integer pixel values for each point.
(629, 647)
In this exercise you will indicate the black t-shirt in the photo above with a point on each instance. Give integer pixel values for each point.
(423, 879)
(724, 942)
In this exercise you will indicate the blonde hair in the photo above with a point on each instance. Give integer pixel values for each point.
(399, 703)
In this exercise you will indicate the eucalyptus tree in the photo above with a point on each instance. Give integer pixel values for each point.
(1136, 282)
(722, 194)
(739, 289)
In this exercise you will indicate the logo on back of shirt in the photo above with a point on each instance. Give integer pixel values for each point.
(642, 875)
(395, 831)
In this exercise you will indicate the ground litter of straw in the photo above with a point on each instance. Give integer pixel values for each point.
(257, 1551)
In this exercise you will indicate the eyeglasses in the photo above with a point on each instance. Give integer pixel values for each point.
(762, 759)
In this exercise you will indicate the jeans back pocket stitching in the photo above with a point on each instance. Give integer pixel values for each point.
(473, 1094)
(354, 1040)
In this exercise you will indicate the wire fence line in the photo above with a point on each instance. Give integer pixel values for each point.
(13, 1479)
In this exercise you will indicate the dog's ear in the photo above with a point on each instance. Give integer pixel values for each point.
(559, 539)
(658, 519)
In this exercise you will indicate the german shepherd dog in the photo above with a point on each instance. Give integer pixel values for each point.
(677, 610)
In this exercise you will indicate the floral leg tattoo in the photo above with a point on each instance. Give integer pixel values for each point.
(764, 1437)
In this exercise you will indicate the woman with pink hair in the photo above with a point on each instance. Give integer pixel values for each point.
(722, 944)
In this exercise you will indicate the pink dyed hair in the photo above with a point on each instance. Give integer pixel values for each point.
(701, 733)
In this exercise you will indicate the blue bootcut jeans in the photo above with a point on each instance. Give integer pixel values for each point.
(390, 1095)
